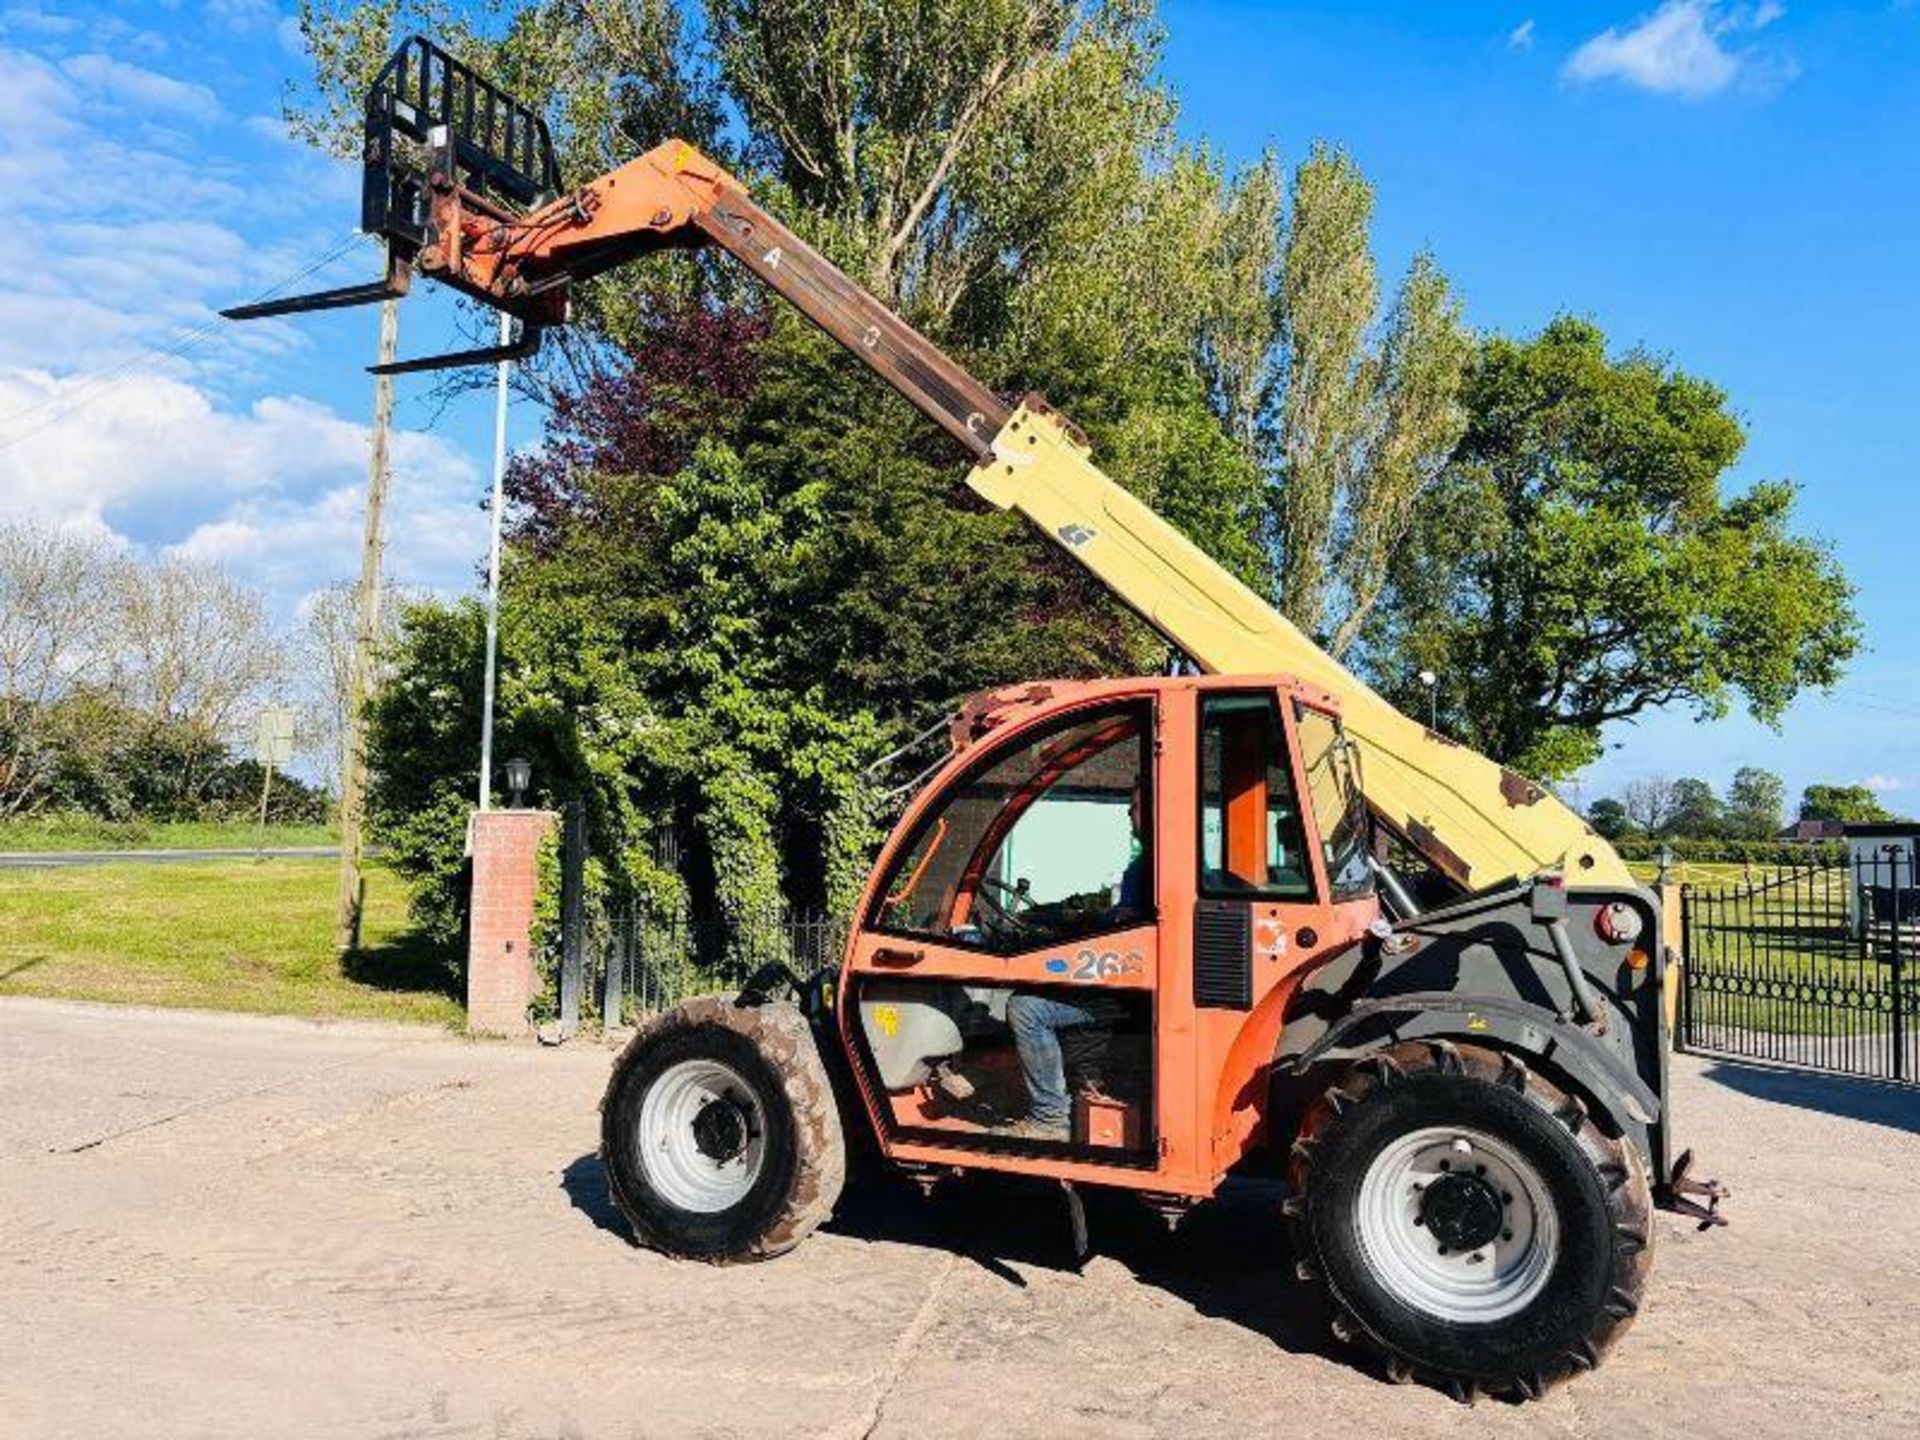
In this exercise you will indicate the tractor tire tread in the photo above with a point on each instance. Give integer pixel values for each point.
(784, 1039)
(1615, 1161)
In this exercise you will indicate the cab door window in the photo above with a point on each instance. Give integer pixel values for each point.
(1048, 841)
(1252, 844)
(1339, 808)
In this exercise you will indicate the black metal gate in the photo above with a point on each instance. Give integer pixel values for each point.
(610, 969)
(1812, 967)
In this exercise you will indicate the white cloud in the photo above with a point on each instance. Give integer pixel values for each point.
(141, 203)
(128, 235)
(1521, 37)
(271, 492)
(147, 89)
(242, 15)
(32, 19)
(1881, 784)
(1684, 48)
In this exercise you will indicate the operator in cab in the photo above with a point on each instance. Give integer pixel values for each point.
(1037, 1020)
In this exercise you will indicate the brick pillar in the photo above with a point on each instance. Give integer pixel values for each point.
(506, 874)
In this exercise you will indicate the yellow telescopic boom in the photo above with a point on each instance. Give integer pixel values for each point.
(1474, 820)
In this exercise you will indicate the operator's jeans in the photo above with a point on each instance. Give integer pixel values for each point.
(1037, 1023)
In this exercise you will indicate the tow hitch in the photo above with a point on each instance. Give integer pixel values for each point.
(1684, 1195)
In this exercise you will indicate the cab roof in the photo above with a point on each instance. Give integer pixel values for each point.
(987, 711)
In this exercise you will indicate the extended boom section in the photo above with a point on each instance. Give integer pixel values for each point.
(1476, 821)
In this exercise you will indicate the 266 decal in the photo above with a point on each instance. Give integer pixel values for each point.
(1095, 966)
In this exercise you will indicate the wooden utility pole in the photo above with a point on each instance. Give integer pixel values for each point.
(366, 634)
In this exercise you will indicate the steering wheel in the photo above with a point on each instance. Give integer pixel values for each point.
(1006, 911)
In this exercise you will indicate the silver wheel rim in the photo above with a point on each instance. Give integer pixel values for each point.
(1473, 1286)
(708, 1164)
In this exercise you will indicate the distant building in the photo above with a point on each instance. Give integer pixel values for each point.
(1885, 885)
(1811, 832)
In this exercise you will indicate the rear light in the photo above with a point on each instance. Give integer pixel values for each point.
(1618, 923)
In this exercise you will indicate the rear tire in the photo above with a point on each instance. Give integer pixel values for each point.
(720, 1133)
(1470, 1223)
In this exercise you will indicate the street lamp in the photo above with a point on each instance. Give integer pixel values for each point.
(519, 776)
(1432, 682)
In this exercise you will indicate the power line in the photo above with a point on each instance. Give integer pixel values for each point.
(71, 402)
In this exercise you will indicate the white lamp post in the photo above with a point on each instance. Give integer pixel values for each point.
(493, 568)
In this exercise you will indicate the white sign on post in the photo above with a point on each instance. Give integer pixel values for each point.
(273, 748)
(275, 743)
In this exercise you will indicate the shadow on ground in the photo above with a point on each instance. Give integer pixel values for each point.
(411, 961)
(1228, 1259)
(1876, 1102)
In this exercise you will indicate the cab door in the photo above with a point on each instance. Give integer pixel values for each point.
(1279, 886)
(1031, 872)
(1255, 902)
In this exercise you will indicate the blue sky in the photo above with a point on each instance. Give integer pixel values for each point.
(1734, 185)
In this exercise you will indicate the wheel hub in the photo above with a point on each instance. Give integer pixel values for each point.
(701, 1136)
(1462, 1211)
(1457, 1223)
(720, 1130)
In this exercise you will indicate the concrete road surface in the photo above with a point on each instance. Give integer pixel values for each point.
(236, 1227)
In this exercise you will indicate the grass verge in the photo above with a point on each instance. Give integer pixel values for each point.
(218, 935)
(84, 832)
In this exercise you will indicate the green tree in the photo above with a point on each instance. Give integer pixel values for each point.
(1582, 565)
(1609, 818)
(1756, 804)
(1366, 411)
(1697, 812)
(1848, 804)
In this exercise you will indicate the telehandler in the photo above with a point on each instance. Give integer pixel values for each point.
(1471, 1094)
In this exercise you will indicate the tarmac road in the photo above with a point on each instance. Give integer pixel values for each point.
(62, 859)
(215, 1226)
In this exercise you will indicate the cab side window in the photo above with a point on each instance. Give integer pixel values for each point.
(1048, 841)
(1252, 844)
(1339, 808)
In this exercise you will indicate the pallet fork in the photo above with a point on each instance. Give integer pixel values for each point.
(435, 128)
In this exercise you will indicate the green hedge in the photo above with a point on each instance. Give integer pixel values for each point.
(1751, 852)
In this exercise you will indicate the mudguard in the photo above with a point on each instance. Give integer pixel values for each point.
(1487, 970)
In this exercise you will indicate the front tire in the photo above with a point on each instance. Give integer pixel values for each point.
(720, 1133)
(1469, 1221)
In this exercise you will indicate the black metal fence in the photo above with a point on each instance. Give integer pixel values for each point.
(616, 969)
(1809, 966)
(652, 962)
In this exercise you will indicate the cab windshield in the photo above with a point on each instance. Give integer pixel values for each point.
(1047, 841)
